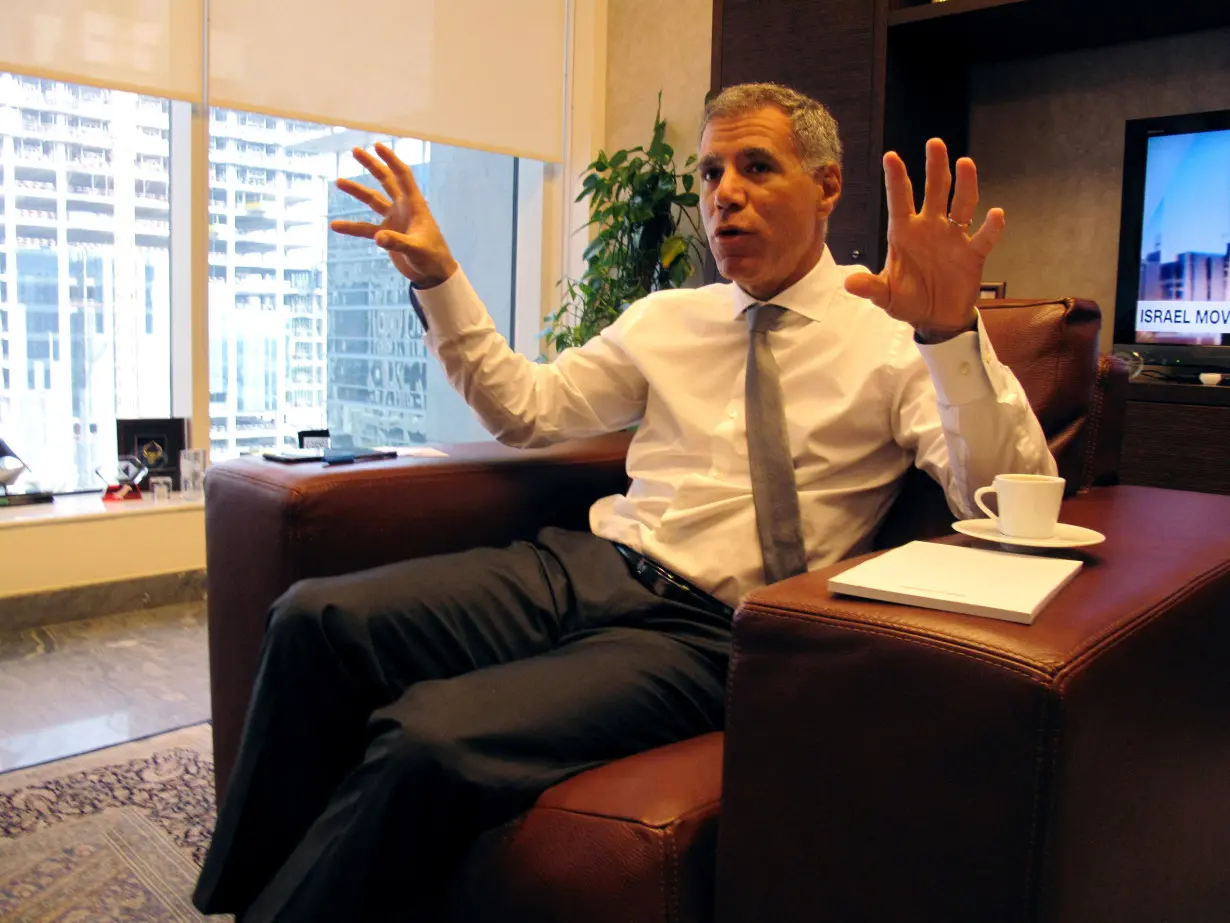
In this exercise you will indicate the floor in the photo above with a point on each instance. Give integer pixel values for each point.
(77, 686)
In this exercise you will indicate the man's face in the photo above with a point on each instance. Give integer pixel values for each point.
(764, 213)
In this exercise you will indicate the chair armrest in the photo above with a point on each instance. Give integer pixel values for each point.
(919, 765)
(268, 525)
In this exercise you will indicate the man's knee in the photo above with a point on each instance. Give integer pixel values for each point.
(298, 612)
(421, 733)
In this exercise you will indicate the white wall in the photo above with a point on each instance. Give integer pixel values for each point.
(654, 46)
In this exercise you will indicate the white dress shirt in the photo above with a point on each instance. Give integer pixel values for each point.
(863, 402)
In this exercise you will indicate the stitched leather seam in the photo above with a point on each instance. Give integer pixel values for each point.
(1056, 338)
(664, 883)
(1045, 759)
(1142, 618)
(272, 491)
(672, 908)
(1075, 657)
(250, 480)
(732, 671)
(465, 470)
(1022, 669)
(1030, 669)
(1095, 426)
(694, 812)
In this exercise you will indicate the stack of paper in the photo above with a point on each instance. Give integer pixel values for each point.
(974, 581)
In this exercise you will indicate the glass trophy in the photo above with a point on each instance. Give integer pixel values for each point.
(123, 483)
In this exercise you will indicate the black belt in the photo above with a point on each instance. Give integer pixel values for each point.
(661, 582)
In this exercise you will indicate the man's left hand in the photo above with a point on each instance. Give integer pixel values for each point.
(934, 267)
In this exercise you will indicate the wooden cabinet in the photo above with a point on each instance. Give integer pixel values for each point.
(1178, 436)
(896, 72)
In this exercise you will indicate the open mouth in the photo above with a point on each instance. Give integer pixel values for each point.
(728, 233)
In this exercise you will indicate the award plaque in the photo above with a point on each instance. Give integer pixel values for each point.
(155, 443)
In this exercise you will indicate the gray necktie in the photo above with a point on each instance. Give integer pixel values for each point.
(774, 492)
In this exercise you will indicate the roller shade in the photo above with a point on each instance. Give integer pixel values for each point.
(143, 46)
(486, 74)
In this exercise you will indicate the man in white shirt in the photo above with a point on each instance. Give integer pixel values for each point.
(400, 711)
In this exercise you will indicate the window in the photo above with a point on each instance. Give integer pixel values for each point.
(308, 329)
(89, 272)
(319, 325)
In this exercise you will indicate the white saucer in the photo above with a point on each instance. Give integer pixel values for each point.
(1065, 536)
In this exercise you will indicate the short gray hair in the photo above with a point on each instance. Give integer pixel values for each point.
(813, 126)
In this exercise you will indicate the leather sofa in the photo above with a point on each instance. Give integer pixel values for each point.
(879, 762)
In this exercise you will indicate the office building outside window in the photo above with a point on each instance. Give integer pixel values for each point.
(308, 329)
(84, 272)
(313, 330)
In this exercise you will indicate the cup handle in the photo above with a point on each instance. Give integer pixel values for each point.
(978, 495)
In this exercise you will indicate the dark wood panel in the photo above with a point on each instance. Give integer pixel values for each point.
(927, 96)
(904, 11)
(993, 30)
(1167, 392)
(1182, 446)
(825, 48)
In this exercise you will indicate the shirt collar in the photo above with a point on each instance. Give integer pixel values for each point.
(810, 296)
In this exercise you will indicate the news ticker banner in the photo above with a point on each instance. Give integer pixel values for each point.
(1185, 317)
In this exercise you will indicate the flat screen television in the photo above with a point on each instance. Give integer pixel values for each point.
(1172, 304)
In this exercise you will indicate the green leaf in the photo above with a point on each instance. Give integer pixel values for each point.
(595, 246)
(680, 272)
(659, 136)
(671, 249)
(640, 242)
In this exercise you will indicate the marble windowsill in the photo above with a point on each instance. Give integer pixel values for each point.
(70, 507)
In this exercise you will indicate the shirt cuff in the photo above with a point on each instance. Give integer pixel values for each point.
(958, 369)
(448, 309)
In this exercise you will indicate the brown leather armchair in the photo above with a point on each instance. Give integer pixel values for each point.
(880, 762)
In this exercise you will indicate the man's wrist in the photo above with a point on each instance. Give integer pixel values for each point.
(932, 336)
(439, 277)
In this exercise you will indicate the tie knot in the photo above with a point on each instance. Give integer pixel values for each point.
(762, 317)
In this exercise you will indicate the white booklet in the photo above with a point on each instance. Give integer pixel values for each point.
(975, 581)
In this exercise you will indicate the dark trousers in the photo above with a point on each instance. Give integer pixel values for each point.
(400, 711)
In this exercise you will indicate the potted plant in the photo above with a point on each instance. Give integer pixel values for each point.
(647, 239)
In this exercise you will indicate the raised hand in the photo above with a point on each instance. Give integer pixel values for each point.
(933, 271)
(408, 232)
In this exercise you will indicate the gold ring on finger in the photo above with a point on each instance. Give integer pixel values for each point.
(963, 225)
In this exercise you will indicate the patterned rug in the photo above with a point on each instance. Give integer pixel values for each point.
(115, 835)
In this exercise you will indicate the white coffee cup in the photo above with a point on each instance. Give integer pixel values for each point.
(1028, 504)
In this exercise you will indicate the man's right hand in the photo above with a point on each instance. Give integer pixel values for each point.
(408, 232)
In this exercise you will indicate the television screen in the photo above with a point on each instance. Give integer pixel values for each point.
(1174, 271)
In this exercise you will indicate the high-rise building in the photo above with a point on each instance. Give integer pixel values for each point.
(377, 359)
(84, 272)
(308, 329)
(268, 214)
